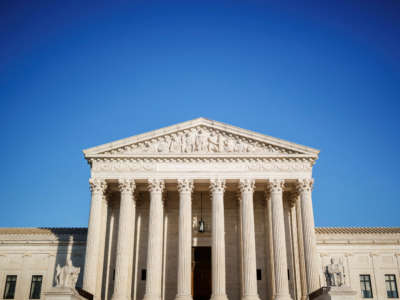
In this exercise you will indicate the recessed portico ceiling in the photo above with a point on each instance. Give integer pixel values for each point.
(201, 137)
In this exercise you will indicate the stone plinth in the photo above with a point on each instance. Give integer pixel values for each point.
(62, 293)
(334, 293)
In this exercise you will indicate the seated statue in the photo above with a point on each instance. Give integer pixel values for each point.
(334, 273)
(67, 276)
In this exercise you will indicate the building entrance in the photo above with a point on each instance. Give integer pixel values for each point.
(201, 273)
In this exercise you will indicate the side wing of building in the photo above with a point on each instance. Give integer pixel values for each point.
(370, 257)
(29, 256)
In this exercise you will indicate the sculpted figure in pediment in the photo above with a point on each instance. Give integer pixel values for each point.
(201, 141)
(198, 140)
(229, 144)
(191, 141)
(214, 142)
(176, 145)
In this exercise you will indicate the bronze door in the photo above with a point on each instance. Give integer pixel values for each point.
(201, 273)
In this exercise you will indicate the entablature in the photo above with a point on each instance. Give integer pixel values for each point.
(201, 167)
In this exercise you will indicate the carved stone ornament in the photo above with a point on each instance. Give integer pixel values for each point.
(267, 194)
(67, 276)
(199, 139)
(334, 273)
(217, 185)
(246, 185)
(126, 185)
(97, 185)
(276, 185)
(305, 185)
(200, 163)
(294, 196)
(155, 185)
(185, 185)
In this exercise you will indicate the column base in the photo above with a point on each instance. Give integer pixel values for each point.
(283, 297)
(120, 297)
(250, 297)
(152, 297)
(219, 297)
(183, 297)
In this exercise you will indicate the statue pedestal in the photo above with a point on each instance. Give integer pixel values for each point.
(62, 293)
(334, 293)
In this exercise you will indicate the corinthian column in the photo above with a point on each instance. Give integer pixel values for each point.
(303, 280)
(97, 187)
(309, 242)
(155, 241)
(185, 188)
(217, 187)
(249, 271)
(124, 258)
(278, 237)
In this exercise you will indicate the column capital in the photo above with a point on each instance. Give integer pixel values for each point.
(305, 184)
(246, 185)
(126, 185)
(217, 185)
(97, 185)
(185, 185)
(267, 194)
(275, 185)
(293, 197)
(155, 185)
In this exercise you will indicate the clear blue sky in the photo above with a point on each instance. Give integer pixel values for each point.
(76, 74)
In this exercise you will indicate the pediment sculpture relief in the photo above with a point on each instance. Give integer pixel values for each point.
(201, 140)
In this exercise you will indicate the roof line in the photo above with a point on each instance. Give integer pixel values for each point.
(82, 230)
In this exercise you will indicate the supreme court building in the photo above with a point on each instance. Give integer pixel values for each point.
(202, 210)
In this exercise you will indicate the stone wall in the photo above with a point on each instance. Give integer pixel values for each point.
(28, 252)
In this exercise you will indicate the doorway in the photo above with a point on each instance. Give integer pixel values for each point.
(201, 273)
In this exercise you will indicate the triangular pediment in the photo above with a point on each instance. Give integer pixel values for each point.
(200, 137)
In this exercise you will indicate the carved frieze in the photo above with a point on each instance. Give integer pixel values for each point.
(200, 140)
(187, 164)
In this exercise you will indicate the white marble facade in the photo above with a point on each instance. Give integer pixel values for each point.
(254, 193)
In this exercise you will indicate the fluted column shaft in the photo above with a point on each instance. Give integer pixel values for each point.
(270, 244)
(155, 241)
(185, 188)
(246, 187)
(98, 187)
(217, 188)
(302, 265)
(279, 242)
(124, 257)
(309, 241)
(100, 272)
